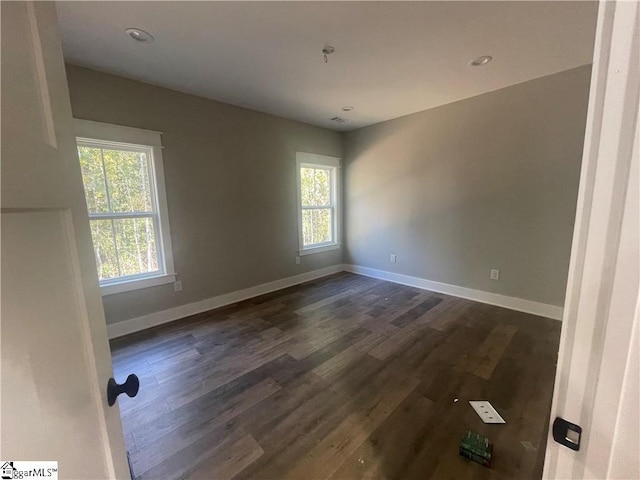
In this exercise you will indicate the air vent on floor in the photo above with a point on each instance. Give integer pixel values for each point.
(339, 120)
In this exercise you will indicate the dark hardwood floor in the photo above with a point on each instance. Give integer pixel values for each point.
(345, 377)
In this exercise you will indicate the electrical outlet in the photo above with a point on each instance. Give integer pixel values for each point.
(495, 274)
(297, 260)
(177, 286)
(486, 411)
(393, 258)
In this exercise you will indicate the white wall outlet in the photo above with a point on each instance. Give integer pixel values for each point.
(297, 260)
(393, 258)
(495, 274)
(177, 286)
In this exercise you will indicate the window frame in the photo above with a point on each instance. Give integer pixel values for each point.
(101, 135)
(312, 160)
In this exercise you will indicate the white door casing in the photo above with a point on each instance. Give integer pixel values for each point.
(55, 353)
(594, 385)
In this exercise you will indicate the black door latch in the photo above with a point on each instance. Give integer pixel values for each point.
(567, 433)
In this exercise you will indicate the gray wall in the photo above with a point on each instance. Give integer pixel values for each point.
(487, 182)
(231, 188)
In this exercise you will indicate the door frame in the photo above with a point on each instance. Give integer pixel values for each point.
(602, 288)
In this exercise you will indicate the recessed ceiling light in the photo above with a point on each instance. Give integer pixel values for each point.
(140, 35)
(347, 108)
(480, 61)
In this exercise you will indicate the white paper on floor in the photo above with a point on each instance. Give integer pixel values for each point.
(487, 413)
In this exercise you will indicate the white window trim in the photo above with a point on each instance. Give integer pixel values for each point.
(312, 159)
(87, 131)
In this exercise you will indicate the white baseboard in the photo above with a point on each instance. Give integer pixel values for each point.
(126, 327)
(513, 303)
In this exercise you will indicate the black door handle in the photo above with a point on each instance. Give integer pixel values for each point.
(130, 387)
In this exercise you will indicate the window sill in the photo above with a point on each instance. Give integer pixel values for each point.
(129, 285)
(320, 249)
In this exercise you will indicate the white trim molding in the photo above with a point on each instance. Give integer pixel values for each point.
(117, 133)
(126, 327)
(103, 135)
(129, 285)
(137, 324)
(312, 160)
(512, 303)
(603, 286)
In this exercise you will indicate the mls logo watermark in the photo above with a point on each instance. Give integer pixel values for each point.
(18, 470)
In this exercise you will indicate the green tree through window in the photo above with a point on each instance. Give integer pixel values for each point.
(318, 207)
(119, 191)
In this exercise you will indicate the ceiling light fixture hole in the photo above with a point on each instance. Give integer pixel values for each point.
(327, 50)
(140, 35)
(480, 61)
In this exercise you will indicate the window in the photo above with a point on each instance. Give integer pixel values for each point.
(124, 189)
(318, 203)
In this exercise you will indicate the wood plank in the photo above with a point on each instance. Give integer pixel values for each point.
(185, 460)
(416, 312)
(326, 457)
(167, 436)
(486, 357)
(227, 463)
(415, 328)
(341, 377)
(392, 444)
(344, 359)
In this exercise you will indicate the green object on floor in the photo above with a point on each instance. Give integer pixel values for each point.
(476, 447)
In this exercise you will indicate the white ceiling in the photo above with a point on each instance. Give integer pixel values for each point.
(391, 58)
